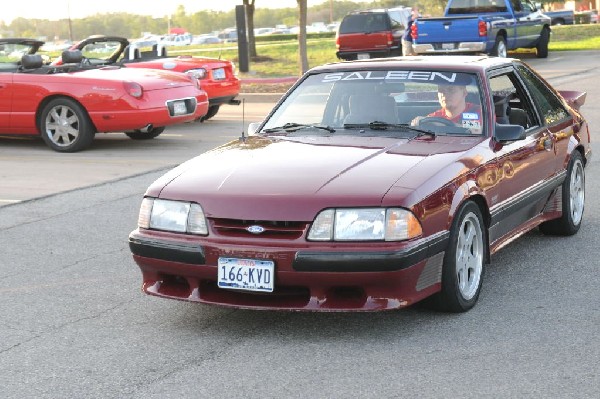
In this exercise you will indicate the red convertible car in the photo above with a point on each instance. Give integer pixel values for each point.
(68, 104)
(371, 185)
(217, 77)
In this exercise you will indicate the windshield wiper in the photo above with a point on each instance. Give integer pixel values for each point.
(294, 127)
(378, 125)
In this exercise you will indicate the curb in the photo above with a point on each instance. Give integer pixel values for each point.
(260, 97)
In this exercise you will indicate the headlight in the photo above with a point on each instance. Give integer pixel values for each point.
(198, 73)
(176, 216)
(365, 224)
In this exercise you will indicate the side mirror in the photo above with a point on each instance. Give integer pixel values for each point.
(253, 128)
(507, 133)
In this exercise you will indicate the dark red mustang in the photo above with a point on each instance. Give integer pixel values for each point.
(371, 185)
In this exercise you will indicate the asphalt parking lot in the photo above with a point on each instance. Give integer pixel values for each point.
(75, 324)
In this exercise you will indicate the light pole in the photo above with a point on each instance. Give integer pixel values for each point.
(69, 16)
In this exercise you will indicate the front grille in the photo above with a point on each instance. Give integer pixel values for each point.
(272, 229)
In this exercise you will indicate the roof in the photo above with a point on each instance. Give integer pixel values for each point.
(465, 62)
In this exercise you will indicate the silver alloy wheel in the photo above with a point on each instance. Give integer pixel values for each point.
(62, 126)
(469, 256)
(502, 52)
(577, 192)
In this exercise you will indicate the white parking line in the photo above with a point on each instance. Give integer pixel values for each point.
(7, 201)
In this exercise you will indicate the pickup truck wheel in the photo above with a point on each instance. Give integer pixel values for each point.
(542, 47)
(499, 49)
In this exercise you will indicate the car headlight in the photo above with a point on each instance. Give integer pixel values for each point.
(365, 224)
(175, 216)
(198, 73)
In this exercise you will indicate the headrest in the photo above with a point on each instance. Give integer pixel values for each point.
(72, 56)
(31, 61)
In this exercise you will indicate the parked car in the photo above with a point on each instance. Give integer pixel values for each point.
(371, 33)
(353, 195)
(217, 77)
(176, 40)
(594, 16)
(488, 26)
(68, 104)
(561, 17)
(206, 39)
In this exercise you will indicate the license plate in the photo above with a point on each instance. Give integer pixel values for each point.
(218, 74)
(179, 108)
(362, 56)
(246, 274)
(448, 46)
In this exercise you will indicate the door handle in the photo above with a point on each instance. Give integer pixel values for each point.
(548, 143)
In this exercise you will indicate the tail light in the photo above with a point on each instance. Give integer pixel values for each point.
(414, 32)
(133, 89)
(390, 38)
(337, 42)
(482, 28)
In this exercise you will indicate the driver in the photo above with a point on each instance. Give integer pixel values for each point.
(453, 100)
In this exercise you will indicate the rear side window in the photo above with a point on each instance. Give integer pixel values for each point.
(371, 22)
(475, 6)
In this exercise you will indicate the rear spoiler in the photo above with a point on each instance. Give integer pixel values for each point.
(574, 98)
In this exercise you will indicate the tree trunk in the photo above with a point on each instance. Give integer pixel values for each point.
(302, 53)
(250, 25)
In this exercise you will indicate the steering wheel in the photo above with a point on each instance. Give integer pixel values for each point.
(436, 121)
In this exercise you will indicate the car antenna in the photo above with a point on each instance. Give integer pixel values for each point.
(243, 136)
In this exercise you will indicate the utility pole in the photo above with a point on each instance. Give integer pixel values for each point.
(70, 25)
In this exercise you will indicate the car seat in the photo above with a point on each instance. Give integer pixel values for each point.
(367, 108)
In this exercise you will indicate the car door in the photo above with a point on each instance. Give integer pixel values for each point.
(6, 78)
(526, 168)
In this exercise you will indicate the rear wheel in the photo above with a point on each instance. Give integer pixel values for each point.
(542, 46)
(150, 134)
(212, 111)
(462, 273)
(573, 199)
(499, 49)
(65, 126)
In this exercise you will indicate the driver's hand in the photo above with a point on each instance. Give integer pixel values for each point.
(416, 120)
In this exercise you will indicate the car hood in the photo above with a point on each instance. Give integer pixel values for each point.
(150, 79)
(293, 179)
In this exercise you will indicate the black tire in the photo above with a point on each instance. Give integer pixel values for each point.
(212, 111)
(542, 46)
(573, 201)
(499, 49)
(152, 133)
(65, 126)
(462, 274)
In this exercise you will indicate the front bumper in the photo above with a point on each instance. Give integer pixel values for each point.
(360, 279)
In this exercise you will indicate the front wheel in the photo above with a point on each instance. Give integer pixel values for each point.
(573, 199)
(65, 126)
(499, 49)
(150, 134)
(462, 273)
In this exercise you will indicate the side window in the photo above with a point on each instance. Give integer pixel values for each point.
(551, 107)
(516, 5)
(511, 104)
(396, 20)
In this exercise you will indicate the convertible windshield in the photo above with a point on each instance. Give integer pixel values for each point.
(382, 102)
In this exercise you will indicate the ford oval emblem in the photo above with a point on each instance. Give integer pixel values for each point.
(255, 229)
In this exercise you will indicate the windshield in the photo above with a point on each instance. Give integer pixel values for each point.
(381, 102)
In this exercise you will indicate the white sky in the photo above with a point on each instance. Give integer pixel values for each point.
(58, 9)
